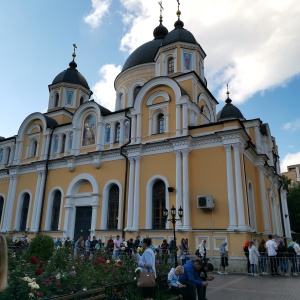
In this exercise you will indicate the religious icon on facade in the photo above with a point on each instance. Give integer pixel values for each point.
(89, 129)
(187, 61)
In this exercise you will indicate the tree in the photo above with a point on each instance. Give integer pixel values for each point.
(293, 202)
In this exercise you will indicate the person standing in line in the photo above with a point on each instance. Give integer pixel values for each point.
(147, 264)
(271, 249)
(164, 250)
(224, 258)
(93, 244)
(117, 247)
(293, 258)
(183, 251)
(110, 247)
(282, 258)
(137, 242)
(263, 256)
(3, 263)
(253, 258)
(202, 249)
(88, 246)
(246, 251)
(297, 249)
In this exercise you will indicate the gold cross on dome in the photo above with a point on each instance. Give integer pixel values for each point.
(74, 53)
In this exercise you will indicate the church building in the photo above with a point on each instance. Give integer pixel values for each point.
(81, 169)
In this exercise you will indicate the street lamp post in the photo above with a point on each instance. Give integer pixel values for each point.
(173, 220)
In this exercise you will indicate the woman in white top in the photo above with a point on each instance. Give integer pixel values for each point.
(253, 258)
(202, 249)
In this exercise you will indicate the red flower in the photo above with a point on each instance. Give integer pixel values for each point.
(58, 284)
(40, 294)
(41, 266)
(158, 266)
(38, 272)
(33, 259)
(95, 262)
(101, 260)
(106, 267)
(47, 280)
(53, 277)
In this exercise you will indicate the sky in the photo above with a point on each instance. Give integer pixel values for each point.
(252, 45)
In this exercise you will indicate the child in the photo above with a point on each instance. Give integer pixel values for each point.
(253, 258)
(175, 285)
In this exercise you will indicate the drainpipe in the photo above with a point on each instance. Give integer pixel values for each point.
(46, 175)
(126, 174)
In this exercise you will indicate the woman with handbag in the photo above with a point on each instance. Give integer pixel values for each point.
(146, 280)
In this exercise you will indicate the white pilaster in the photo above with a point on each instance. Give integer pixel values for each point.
(133, 128)
(230, 190)
(186, 199)
(130, 195)
(136, 194)
(238, 188)
(139, 128)
(178, 185)
(185, 119)
(257, 139)
(264, 203)
(178, 120)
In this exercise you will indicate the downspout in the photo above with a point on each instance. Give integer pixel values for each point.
(126, 175)
(45, 182)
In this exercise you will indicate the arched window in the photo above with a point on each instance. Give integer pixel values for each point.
(63, 143)
(170, 65)
(81, 100)
(24, 212)
(113, 207)
(33, 148)
(117, 132)
(89, 130)
(160, 123)
(55, 144)
(158, 204)
(56, 101)
(136, 91)
(70, 141)
(1, 208)
(121, 101)
(126, 130)
(55, 211)
(107, 134)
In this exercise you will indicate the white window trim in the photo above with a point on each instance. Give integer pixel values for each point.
(165, 59)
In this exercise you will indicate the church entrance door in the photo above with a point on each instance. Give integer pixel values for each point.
(83, 221)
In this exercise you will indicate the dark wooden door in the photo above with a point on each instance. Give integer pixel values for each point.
(83, 221)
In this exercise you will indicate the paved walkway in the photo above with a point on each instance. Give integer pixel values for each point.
(247, 287)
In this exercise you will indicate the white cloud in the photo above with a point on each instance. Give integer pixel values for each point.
(100, 8)
(253, 45)
(104, 92)
(292, 126)
(289, 160)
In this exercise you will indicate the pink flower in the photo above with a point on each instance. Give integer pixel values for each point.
(41, 265)
(47, 280)
(58, 284)
(53, 277)
(40, 294)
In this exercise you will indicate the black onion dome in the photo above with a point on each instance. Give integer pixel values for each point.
(160, 31)
(179, 34)
(71, 75)
(146, 52)
(229, 111)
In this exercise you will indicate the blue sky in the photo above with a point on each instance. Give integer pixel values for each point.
(253, 46)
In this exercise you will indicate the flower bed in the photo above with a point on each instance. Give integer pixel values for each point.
(62, 274)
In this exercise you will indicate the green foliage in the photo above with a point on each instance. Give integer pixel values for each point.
(286, 182)
(293, 201)
(41, 246)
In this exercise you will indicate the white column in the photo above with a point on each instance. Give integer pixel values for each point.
(136, 194)
(186, 199)
(68, 214)
(10, 203)
(76, 141)
(178, 120)
(38, 201)
(130, 195)
(47, 151)
(167, 123)
(150, 126)
(60, 137)
(139, 128)
(178, 185)
(264, 203)
(230, 190)
(12, 154)
(238, 188)
(133, 127)
(185, 119)
(43, 150)
(94, 219)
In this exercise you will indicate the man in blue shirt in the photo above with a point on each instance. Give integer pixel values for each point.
(191, 278)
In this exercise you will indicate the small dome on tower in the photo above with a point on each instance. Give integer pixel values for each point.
(71, 75)
(229, 111)
(160, 31)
